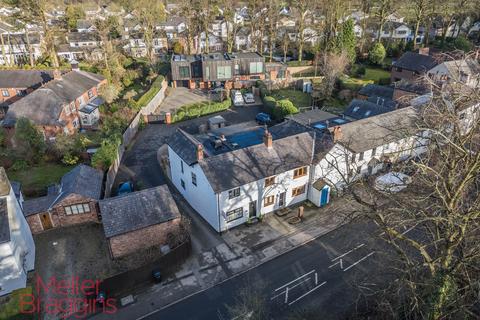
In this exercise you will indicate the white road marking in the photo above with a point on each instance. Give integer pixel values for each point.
(316, 278)
(287, 284)
(148, 314)
(357, 262)
(343, 255)
(290, 288)
(307, 293)
(338, 262)
(286, 294)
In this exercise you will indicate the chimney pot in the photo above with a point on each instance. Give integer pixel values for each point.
(200, 153)
(267, 139)
(337, 133)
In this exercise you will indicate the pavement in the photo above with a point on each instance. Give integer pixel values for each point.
(233, 253)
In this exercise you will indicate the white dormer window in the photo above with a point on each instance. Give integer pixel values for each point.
(72, 107)
(67, 110)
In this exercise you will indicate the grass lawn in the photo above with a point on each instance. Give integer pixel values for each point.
(335, 105)
(376, 74)
(35, 180)
(11, 309)
(297, 97)
(354, 83)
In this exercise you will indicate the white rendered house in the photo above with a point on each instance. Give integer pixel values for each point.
(17, 249)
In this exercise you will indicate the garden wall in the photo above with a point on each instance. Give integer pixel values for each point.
(130, 133)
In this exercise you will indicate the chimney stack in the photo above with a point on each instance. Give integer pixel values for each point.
(57, 75)
(267, 139)
(424, 51)
(199, 152)
(337, 133)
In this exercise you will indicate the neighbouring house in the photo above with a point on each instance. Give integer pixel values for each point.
(407, 91)
(54, 108)
(17, 249)
(139, 220)
(374, 90)
(73, 201)
(466, 71)
(16, 84)
(361, 109)
(136, 46)
(83, 39)
(215, 43)
(84, 25)
(173, 27)
(232, 175)
(208, 70)
(15, 49)
(411, 66)
(70, 53)
(245, 175)
(90, 114)
(395, 31)
(243, 40)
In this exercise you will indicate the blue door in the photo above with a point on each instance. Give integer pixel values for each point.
(324, 196)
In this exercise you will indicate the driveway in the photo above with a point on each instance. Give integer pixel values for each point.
(178, 97)
(80, 250)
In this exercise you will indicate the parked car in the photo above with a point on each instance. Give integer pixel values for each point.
(157, 275)
(237, 98)
(248, 97)
(125, 187)
(263, 118)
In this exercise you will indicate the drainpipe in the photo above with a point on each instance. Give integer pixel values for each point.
(218, 213)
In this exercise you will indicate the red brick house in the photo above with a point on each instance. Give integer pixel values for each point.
(73, 201)
(411, 66)
(55, 107)
(139, 220)
(16, 84)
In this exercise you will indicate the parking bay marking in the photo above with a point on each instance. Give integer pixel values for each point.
(358, 261)
(307, 293)
(348, 252)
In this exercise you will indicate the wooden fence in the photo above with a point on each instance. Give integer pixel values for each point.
(129, 134)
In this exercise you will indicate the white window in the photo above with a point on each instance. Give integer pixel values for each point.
(194, 179)
(234, 193)
(256, 67)
(224, 72)
(234, 214)
(77, 209)
(67, 110)
(181, 165)
(182, 183)
(72, 107)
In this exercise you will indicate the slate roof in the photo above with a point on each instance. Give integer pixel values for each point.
(458, 67)
(366, 134)
(84, 24)
(376, 90)
(4, 223)
(413, 87)
(184, 146)
(21, 39)
(415, 62)
(137, 210)
(83, 37)
(82, 180)
(44, 105)
(24, 78)
(311, 116)
(232, 169)
(360, 109)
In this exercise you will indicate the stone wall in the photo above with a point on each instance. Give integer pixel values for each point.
(131, 242)
(35, 223)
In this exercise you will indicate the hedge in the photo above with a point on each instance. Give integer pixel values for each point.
(148, 96)
(297, 63)
(196, 110)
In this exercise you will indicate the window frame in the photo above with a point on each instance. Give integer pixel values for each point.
(300, 172)
(5, 93)
(236, 213)
(79, 208)
(268, 200)
(269, 181)
(194, 179)
(234, 193)
(182, 183)
(297, 191)
(182, 74)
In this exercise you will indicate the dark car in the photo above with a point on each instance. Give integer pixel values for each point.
(125, 187)
(157, 275)
(263, 118)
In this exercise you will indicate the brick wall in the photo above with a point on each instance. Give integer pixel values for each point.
(403, 75)
(60, 219)
(131, 242)
(35, 223)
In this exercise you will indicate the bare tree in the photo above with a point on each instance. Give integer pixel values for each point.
(149, 14)
(436, 267)
(383, 9)
(301, 10)
(251, 302)
(331, 66)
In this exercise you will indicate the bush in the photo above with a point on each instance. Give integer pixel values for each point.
(462, 43)
(269, 102)
(105, 155)
(70, 159)
(384, 81)
(148, 96)
(263, 88)
(19, 165)
(377, 53)
(196, 110)
(359, 70)
(283, 108)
